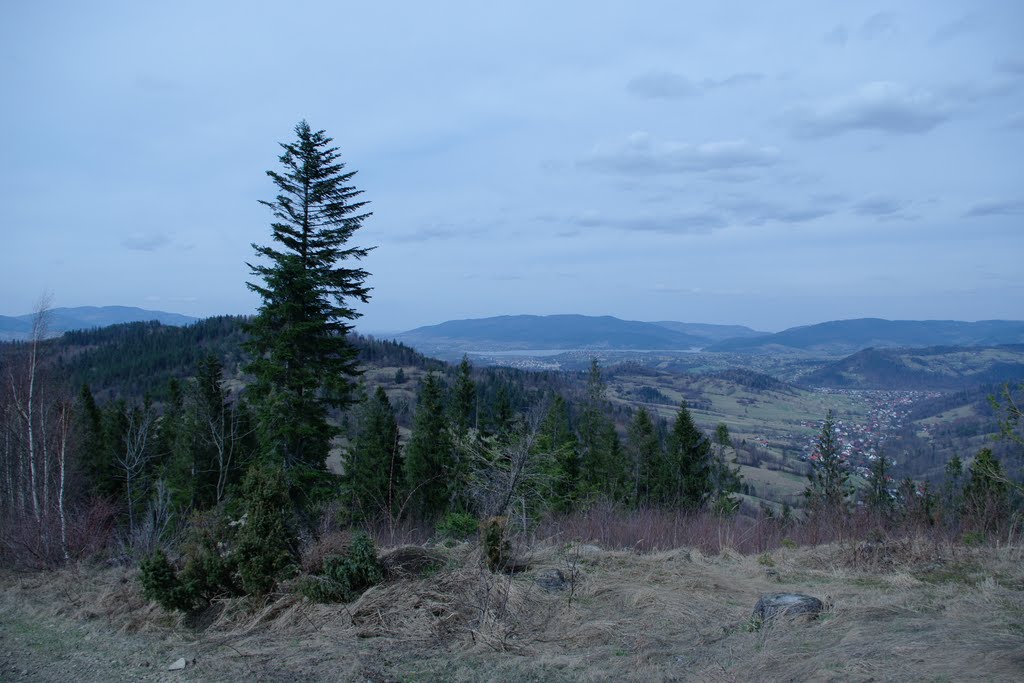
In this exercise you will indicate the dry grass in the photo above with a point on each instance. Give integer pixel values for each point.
(913, 609)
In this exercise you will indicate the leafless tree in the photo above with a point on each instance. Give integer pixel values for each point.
(24, 399)
(509, 474)
(135, 455)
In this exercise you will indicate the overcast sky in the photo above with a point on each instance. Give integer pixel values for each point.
(761, 163)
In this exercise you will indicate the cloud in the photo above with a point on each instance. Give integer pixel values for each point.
(969, 23)
(878, 26)
(756, 211)
(735, 80)
(662, 84)
(434, 233)
(1014, 67)
(839, 35)
(880, 207)
(145, 241)
(880, 106)
(643, 155)
(669, 224)
(669, 85)
(995, 207)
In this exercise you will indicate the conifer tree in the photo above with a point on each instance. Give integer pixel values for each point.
(686, 481)
(828, 487)
(430, 466)
(986, 494)
(878, 498)
(557, 438)
(725, 479)
(373, 463)
(953, 489)
(463, 398)
(603, 466)
(303, 360)
(95, 456)
(645, 456)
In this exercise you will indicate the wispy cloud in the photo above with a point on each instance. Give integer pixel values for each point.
(881, 207)
(435, 233)
(669, 224)
(838, 35)
(641, 154)
(669, 85)
(969, 23)
(757, 211)
(879, 26)
(1014, 67)
(995, 207)
(662, 84)
(1016, 121)
(145, 241)
(880, 106)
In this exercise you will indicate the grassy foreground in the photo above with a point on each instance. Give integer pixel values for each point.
(905, 610)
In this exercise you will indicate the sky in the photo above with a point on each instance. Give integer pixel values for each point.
(764, 164)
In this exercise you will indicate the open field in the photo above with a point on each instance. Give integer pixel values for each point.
(896, 611)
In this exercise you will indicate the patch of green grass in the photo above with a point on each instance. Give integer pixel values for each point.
(956, 572)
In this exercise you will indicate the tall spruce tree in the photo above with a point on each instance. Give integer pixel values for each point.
(686, 481)
(726, 480)
(828, 487)
(604, 469)
(557, 439)
(645, 456)
(463, 398)
(986, 493)
(879, 499)
(431, 474)
(373, 463)
(303, 360)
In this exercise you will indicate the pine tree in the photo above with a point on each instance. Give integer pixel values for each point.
(303, 360)
(603, 466)
(373, 463)
(645, 456)
(725, 479)
(96, 456)
(557, 439)
(463, 398)
(953, 489)
(986, 494)
(431, 475)
(686, 478)
(266, 546)
(829, 479)
(878, 498)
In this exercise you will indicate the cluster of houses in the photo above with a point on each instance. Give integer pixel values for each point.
(862, 442)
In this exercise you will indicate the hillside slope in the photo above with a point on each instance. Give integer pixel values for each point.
(840, 337)
(939, 368)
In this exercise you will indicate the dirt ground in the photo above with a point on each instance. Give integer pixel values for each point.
(902, 611)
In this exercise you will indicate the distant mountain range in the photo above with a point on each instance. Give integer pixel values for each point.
(841, 337)
(60, 320)
(838, 338)
(518, 332)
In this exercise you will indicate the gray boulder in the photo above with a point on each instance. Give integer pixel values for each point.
(552, 580)
(773, 605)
